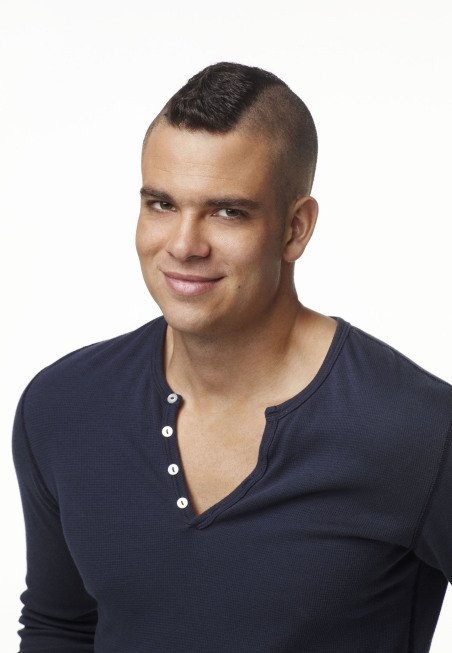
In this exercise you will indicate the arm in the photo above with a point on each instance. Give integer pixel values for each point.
(58, 616)
(433, 540)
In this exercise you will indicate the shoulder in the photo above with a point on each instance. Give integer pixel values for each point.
(399, 385)
(397, 417)
(390, 360)
(91, 368)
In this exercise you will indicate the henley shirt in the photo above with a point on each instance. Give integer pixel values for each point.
(338, 541)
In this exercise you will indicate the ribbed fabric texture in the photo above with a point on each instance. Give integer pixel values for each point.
(339, 541)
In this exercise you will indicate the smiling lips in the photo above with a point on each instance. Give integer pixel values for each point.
(189, 284)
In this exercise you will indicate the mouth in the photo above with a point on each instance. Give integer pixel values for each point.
(190, 285)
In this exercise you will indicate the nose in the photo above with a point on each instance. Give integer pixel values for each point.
(188, 238)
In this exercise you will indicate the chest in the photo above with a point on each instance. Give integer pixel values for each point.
(313, 544)
(217, 452)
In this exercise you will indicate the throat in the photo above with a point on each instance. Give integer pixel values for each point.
(217, 381)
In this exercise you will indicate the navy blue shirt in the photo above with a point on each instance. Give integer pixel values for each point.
(338, 541)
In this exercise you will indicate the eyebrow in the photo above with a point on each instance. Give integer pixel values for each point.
(225, 201)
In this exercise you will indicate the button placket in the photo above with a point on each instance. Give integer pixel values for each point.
(167, 432)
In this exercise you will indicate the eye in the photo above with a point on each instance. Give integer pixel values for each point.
(163, 206)
(232, 213)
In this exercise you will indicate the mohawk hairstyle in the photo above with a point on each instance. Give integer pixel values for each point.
(225, 96)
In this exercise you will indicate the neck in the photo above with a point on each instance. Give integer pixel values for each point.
(223, 371)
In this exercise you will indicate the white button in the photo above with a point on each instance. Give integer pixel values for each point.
(182, 502)
(173, 469)
(171, 398)
(167, 431)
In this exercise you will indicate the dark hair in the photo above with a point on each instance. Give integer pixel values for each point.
(225, 95)
(215, 98)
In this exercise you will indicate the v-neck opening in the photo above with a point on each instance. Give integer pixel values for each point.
(272, 416)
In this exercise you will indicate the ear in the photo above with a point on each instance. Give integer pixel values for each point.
(301, 218)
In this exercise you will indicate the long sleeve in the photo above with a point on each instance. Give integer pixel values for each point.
(433, 542)
(58, 615)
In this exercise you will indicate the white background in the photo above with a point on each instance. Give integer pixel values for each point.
(80, 83)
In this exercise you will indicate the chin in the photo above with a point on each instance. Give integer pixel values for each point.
(188, 319)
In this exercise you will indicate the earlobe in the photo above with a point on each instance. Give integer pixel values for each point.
(304, 216)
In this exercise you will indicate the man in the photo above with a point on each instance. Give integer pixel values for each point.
(241, 473)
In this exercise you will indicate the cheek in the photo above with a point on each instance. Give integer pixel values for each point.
(146, 238)
(258, 266)
(139, 236)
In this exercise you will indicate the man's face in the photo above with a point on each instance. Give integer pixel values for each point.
(209, 209)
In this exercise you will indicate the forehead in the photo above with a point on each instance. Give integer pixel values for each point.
(239, 160)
